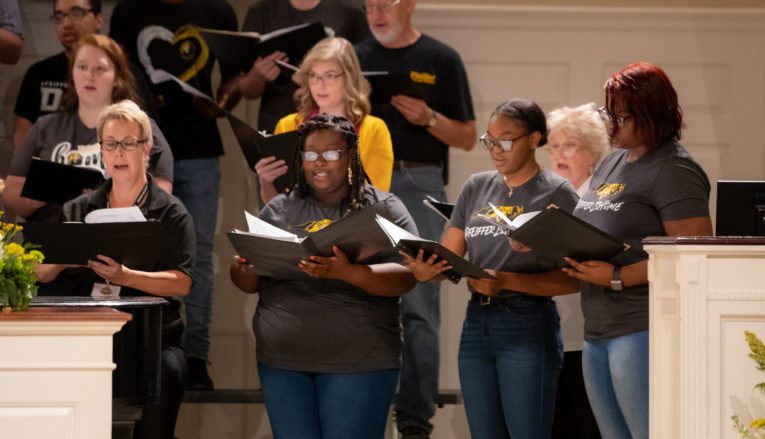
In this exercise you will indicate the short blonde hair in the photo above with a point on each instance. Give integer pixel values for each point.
(127, 111)
(356, 87)
(583, 122)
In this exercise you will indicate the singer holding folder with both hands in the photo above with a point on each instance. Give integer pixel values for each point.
(329, 344)
(510, 349)
(124, 133)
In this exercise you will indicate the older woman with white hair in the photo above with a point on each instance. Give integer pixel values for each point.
(576, 143)
(124, 134)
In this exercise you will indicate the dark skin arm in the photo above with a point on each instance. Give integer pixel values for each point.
(244, 279)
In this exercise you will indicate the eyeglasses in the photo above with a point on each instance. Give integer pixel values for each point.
(75, 13)
(127, 144)
(327, 78)
(608, 118)
(331, 156)
(383, 6)
(567, 150)
(505, 144)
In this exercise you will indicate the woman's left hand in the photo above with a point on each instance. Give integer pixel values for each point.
(326, 267)
(110, 270)
(594, 272)
(487, 287)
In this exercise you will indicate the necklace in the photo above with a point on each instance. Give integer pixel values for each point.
(512, 189)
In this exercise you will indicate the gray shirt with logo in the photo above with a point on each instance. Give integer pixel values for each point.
(487, 245)
(631, 200)
(323, 325)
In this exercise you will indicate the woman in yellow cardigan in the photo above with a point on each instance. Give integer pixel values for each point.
(331, 82)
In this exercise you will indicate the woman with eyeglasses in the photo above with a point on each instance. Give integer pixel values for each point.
(329, 343)
(576, 143)
(649, 186)
(510, 350)
(330, 81)
(99, 77)
(125, 137)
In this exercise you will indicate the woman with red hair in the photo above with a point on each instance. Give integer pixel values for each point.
(649, 186)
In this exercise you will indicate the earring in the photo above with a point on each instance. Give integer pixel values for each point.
(350, 176)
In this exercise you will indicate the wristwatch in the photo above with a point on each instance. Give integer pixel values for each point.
(433, 120)
(616, 279)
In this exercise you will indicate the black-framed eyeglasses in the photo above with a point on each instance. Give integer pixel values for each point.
(505, 144)
(75, 13)
(608, 117)
(331, 156)
(382, 6)
(127, 144)
(327, 78)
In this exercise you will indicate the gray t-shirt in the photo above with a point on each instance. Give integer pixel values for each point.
(322, 325)
(61, 137)
(487, 245)
(631, 200)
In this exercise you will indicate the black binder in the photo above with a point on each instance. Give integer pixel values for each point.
(238, 50)
(385, 85)
(441, 208)
(58, 183)
(133, 244)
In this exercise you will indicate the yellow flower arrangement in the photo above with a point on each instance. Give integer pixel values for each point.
(756, 353)
(17, 269)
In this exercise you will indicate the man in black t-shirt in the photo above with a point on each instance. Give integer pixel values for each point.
(164, 35)
(422, 131)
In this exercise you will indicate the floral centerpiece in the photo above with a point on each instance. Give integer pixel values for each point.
(756, 428)
(17, 269)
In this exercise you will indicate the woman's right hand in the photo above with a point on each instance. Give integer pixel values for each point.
(423, 269)
(244, 279)
(269, 169)
(267, 67)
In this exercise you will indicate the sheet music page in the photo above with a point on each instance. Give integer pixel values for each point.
(115, 215)
(258, 227)
(394, 232)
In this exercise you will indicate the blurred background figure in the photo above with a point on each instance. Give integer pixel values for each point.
(11, 39)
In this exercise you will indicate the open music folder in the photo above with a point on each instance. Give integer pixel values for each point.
(412, 244)
(275, 252)
(441, 208)
(385, 85)
(58, 183)
(238, 50)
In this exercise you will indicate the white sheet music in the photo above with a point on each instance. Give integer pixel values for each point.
(115, 215)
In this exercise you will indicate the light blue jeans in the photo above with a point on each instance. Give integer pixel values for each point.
(308, 405)
(196, 182)
(420, 308)
(509, 361)
(616, 377)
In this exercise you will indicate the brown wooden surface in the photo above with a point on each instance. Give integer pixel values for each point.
(704, 240)
(40, 313)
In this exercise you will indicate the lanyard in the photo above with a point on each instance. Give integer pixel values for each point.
(139, 200)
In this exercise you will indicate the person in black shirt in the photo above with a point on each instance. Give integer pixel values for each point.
(422, 131)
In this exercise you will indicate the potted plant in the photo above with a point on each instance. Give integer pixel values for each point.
(17, 269)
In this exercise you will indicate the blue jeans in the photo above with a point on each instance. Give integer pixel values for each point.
(509, 360)
(196, 183)
(616, 377)
(420, 308)
(310, 405)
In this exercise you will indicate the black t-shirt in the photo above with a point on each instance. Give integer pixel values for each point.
(147, 29)
(44, 84)
(345, 17)
(439, 69)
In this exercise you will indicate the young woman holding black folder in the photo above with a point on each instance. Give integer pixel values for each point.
(99, 77)
(330, 81)
(125, 134)
(649, 186)
(329, 343)
(510, 350)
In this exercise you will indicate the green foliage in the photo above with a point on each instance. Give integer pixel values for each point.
(17, 268)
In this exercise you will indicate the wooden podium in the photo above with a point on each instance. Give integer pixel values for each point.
(704, 293)
(56, 372)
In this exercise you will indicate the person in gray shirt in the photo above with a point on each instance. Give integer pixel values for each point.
(649, 186)
(329, 343)
(510, 349)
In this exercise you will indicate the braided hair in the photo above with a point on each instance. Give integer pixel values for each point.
(356, 199)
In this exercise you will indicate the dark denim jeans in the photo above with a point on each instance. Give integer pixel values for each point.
(196, 183)
(310, 405)
(616, 377)
(420, 308)
(509, 360)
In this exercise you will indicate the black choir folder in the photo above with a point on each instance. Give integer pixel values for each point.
(385, 85)
(256, 145)
(442, 208)
(411, 244)
(238, 50)
(276, 253)
(58, 183)
(558, 234)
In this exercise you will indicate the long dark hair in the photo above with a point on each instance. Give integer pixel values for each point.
(356, 199)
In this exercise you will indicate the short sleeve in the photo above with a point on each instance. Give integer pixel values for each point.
(565, 197)
(22, 156)
(161, 156)
(681, 191)
(459, 101)
(376, 151)
(460, 213)
(180, 228)
(28, 99)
